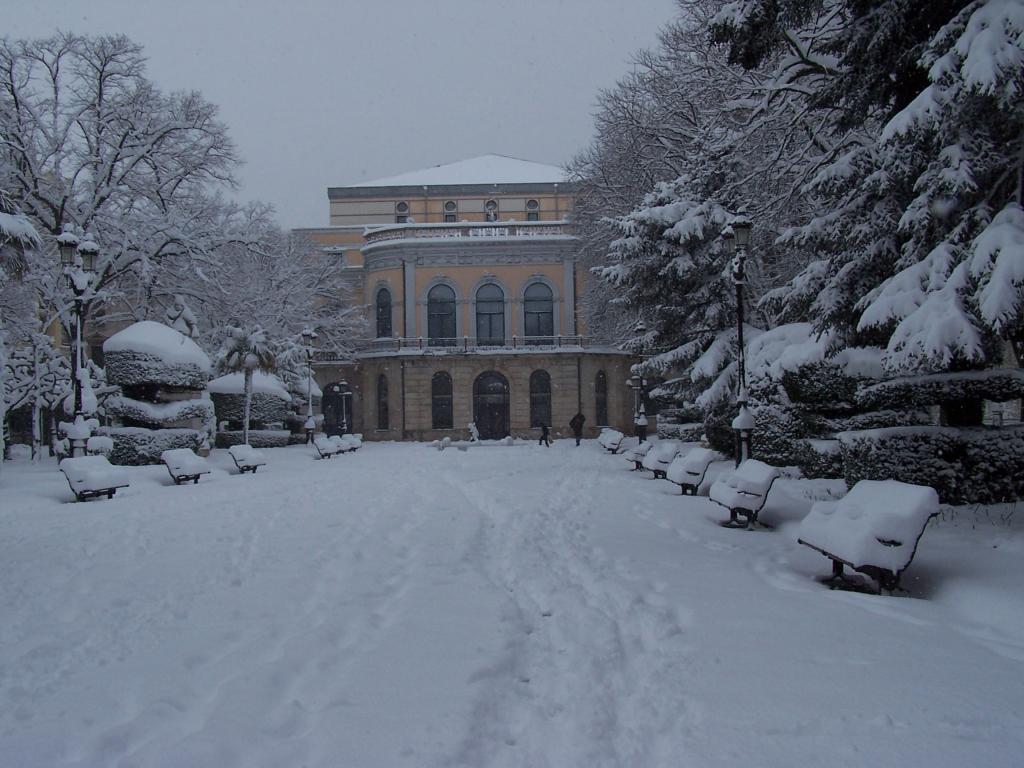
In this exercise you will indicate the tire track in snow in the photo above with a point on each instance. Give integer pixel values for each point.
(593, 667)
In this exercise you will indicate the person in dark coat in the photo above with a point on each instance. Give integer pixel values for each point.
(576, 424)
(545, 435)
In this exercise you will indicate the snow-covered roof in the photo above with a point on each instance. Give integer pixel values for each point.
(264, 383)
(486, 169)
(159, 340)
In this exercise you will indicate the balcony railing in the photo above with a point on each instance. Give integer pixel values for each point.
(461, 344)
(467, 230)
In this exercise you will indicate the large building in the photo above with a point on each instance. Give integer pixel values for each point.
(471, 284)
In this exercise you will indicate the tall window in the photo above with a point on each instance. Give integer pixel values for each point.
(532, 210)
(451, 211)
(401, 213)
(382, 402)
(490, 315)
(540, 398)
(441, 316)
(491, 210)
(540, 313)
(601, 398)
(383, 313)
(441, 400)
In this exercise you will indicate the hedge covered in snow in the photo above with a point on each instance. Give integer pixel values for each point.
(687, 433)
(265, 409)
(159, 414)
(877, 420)
(996, 384)
(258, 438)
(135, 446)
(977, 465)
(148, 353)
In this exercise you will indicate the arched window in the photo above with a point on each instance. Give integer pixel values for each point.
(540, 398)
(383, 313)
(441, 316)
(490, 316)
(441, 400)
(539, 308)
(601, 398)
(532, 210)
(451, 211)
(382, 402)
(401, 212)
(491, 405)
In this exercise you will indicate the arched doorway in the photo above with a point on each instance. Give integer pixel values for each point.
(490, 405)
(337, 407)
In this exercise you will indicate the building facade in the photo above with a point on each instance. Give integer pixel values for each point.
(469, 276)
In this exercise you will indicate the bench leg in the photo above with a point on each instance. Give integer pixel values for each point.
(110, 494)
(195, 480)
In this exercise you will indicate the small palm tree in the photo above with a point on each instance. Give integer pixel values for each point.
(245, 351)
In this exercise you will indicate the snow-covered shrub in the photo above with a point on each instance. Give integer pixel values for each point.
(778, 434)
(820, 458)
(824, 385)
(877, 420)
(134, 445)
(920, 455)
(270, 399)
(155, 415)
(149, 353)
(258, 438)
(996, 384)
(993, 464)
(687, 433)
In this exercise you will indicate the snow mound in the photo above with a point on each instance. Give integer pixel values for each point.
(877, 523)
(262, 383)
(160, 341)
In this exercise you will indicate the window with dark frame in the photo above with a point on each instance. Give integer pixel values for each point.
(539, 311)
(441, 316)
(451, 211)
(382, 403)
(490, 316)
(540, 398)
(532, 210)
(401, 212)
(441, 400)
(601, 398)
(383, 313)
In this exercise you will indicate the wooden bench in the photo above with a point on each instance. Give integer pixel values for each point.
(636, 454)
(184, 465)
(660, 456)
(93, 476)
(610, 439)
(874, 530)
(327, 447)
(744, 492)
(246, 458)
(689, 469)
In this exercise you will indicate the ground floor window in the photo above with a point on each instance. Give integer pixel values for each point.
(540, 399)
(491, 405)
(441, 400)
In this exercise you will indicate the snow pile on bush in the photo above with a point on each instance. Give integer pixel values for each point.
(996, 384)
(135, 445)
(148, 353)
(258, 438)
(270, 399)
(686, 433)
(168, 414)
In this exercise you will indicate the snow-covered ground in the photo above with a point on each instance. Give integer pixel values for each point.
(499, 606)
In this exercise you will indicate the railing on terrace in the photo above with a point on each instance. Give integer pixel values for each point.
(468, 230)
(461, 344)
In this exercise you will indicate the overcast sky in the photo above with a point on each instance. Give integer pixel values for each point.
(321, 93)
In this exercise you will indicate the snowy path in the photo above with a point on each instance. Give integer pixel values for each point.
(499, 606)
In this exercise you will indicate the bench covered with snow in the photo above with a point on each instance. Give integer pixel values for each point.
(874, 530)
(349, 442)
(660, 456)
(744, 492)
(246, 458)
(689, 469)
(610, 439)
(184, 465)
(93, 476)
(636, 454)
(326, 447)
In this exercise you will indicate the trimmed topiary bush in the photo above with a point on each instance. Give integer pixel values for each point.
(687, 433)
(136, 446)
(258, 438)
(996, 384)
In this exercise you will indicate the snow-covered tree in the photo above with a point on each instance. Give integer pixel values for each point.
(246, 350)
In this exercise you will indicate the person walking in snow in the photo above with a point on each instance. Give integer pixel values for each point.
(576, 425)
(545, 435)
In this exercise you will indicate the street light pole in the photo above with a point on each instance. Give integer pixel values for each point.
(78, 259)
(737, 240)
(309, 336)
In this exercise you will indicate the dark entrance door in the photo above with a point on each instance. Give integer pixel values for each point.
(337, 407)
(490, 405)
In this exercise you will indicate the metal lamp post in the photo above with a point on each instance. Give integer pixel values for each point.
(78, 259)
(737, 241)
(309, 336)
(638, 383)
(345, 394)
